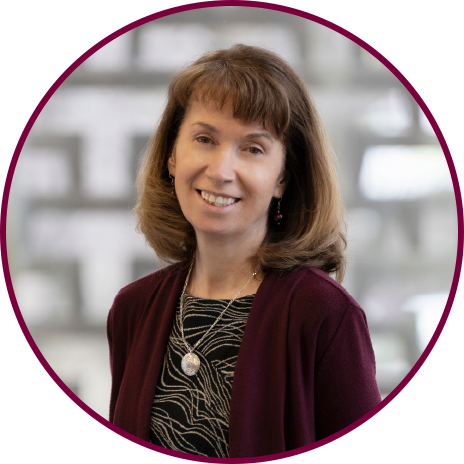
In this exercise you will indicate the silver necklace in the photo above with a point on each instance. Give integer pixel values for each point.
(191, 362)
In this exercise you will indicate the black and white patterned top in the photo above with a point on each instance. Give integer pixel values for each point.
(191, 414)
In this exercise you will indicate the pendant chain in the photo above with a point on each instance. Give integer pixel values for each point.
(187, 344)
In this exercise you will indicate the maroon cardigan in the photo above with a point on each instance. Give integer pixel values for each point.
(305, 368)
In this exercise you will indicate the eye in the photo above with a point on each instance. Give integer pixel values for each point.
(203, 139)
(255, 150)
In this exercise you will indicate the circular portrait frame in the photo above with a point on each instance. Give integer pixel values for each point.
(348, 35)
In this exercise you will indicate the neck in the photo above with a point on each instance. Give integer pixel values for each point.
(222, 268)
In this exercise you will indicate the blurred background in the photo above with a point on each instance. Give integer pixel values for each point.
(71, 231)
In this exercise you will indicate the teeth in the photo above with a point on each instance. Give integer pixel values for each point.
(217, 201)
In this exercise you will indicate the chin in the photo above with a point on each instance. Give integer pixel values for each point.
(219, 231)
(214, 227)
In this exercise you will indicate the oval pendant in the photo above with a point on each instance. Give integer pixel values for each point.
(190, 364)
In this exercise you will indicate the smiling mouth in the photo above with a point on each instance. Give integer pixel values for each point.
(217, 200)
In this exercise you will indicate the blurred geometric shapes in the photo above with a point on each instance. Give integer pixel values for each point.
(331, 56)
(81, 361)
(143, 266)
(370, 62)
(438, 232)
(106, 119)
(167, 47)
(389, 116)
(103, 243)
(102, 275)
(381, 301)
(428, 309)
(403, 172)
(395, 346)
(396, 245)
(280, 40)
(37, 294)
(105, 164)
(363, 226)
(72, 234)
(43, 172)
(114, 56)
(391, 356)
(425, 125)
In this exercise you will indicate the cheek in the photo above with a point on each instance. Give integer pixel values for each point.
(186, 171)
(188, 161)
(264, 183)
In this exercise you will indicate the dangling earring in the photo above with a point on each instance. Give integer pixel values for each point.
(278, 217)
(173, 192)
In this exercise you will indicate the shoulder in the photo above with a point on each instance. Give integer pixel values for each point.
(144, 286)
(316, 285)
(310, 285)
(133, 299)
(321, 311)
(313, 297)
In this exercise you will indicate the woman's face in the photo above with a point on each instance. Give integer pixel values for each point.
(226, 172)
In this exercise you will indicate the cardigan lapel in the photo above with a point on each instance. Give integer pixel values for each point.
(147, 355)
(257, 419)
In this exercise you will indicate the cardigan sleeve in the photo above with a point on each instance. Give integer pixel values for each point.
(109, 333)
(118, 346)
(345, 384)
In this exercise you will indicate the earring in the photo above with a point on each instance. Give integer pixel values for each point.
(278, 217)
(173, 192)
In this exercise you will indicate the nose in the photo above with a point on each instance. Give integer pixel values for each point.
(221, 165)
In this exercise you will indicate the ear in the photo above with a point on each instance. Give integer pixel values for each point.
(281, 185)
(172, 163)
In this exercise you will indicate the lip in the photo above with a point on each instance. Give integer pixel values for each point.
(214, 207)
(217, 194)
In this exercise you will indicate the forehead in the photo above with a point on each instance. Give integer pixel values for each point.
(211, 113)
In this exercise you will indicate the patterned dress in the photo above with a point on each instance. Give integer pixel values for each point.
(191, 414)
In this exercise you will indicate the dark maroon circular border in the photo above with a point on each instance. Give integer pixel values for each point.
(282, 9)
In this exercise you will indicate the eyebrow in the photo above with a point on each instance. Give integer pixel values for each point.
(248, 136)
(206, 126)
(260, 134)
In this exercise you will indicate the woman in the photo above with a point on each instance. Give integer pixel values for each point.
(244, 347)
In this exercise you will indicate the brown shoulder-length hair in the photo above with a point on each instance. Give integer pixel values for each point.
(262, 88)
